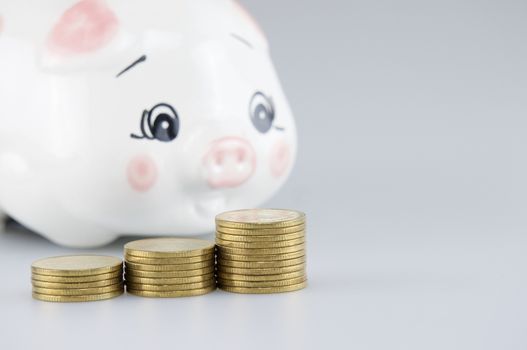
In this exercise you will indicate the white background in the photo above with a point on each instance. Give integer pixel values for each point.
(412, 124)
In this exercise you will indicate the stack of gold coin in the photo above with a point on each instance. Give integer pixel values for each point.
(169, 267)
(261, 251)
(77, 278)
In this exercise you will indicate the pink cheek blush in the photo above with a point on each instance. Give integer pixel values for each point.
(141, 173)
(280, 158)
(86, 27)
(1, 24)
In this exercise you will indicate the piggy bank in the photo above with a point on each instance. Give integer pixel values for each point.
(133, 117)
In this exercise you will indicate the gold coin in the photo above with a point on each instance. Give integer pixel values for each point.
(77, 279)
(258, 245)
(261, 284)
(76, 265)
(172, 294)
(260, 218)
(278, 231)
(77, 298)
(266, 290)
(164, 281)
(80, 291)
(159, 268)
(261, 264)
(269, 271)
(262, 251)
(169, 247)
(169, 261)
(54, 285)
(169, 274)
(170, 287)
(255, 239)
(260, 258)
(256, 278)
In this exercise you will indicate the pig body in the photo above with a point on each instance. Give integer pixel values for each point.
(134, 117)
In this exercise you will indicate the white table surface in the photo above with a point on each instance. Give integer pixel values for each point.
(411, 168)
(381, 292)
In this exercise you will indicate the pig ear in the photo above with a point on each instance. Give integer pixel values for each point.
(249, 19)
(243, 11)
(87, 26)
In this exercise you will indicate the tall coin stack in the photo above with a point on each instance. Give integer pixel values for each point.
(261, 251)
(169, 267)
(77, 278)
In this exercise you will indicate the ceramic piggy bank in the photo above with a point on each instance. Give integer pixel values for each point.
(136, 117)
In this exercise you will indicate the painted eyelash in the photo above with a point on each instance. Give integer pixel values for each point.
(144, 135)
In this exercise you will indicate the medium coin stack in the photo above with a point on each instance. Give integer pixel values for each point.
(169, 267)
(261, 251)
(77, 278)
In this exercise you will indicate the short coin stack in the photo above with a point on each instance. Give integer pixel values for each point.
(169, 267)
(261, 251)
(77, 278)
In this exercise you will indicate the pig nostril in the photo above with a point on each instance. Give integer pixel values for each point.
(241, 155)
(218, 159)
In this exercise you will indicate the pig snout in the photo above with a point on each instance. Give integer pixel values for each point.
(229, 162)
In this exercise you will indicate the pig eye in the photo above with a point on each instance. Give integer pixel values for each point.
(160, 123)
(261, 111)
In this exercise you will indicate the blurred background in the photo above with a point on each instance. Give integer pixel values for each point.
(411, 168)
